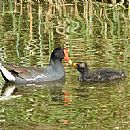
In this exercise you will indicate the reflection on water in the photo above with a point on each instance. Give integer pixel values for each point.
(104, 105)
(10, 89)
(94, 33)
(30, 102)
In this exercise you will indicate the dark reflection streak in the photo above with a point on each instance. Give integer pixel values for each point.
(11, 10)
(14, 23)
(13, 16)
(18, 32)
(85, 14)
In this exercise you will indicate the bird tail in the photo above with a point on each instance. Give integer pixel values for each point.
(6, 74)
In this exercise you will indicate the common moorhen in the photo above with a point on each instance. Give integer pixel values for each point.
(54, 71)
(99, 75)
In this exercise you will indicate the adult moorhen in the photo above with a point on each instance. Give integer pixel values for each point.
(54, 71)
(99, 75)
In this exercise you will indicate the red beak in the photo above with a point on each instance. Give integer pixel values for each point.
(66, 57)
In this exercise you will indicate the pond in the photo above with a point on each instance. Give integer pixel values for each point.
(94, 32)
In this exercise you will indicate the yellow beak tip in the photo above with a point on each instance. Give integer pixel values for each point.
(75, 65)
(70, 62)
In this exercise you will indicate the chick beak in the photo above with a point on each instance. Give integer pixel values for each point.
(74, 65)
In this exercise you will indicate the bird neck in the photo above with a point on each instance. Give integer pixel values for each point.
(55, 61)
(57, 66)
(84, 74)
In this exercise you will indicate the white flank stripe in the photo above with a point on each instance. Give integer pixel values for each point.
(39, 76)
(7, 74)
(43, 75)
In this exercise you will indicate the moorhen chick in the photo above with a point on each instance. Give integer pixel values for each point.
(25, 75)
(99, 75)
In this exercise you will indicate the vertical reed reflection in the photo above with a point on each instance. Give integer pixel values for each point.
(65, 24)
(30, 20)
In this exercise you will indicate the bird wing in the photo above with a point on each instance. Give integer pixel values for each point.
(23, 72)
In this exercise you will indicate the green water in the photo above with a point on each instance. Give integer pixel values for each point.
(94, 33)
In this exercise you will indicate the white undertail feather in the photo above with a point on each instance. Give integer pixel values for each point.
(6, 73)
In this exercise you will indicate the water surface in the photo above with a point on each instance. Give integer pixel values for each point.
(94, 33)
